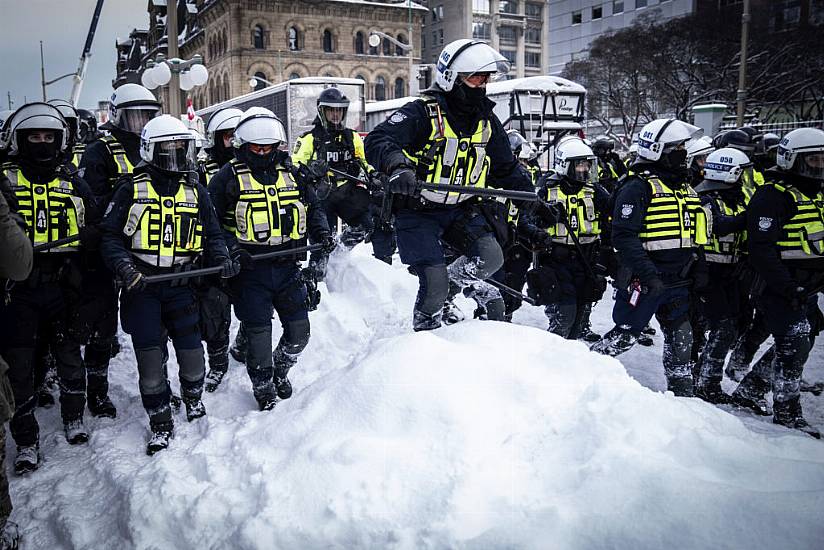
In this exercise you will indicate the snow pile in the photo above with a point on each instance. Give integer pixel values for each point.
(482, 435)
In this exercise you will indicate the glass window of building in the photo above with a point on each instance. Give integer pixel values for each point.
(380, 89)
(258, 38)
(508, 6)
(576, 17)
(360, 43)
(617, 7)
(534, 10)
(480, 6)
(400, 87)
(481, 31)
(508, 34)
(532, 59)
(597, 13)
(509, 55)
(292, 35)
(532, 35)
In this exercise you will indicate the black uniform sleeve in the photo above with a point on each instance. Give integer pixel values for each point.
(112, 248)
(408, 128)
(96, 167)
(631, 202)
(768, 211)
(216, 250)
(223, 193)
(506, 172)
(317, 224)
(94, 210)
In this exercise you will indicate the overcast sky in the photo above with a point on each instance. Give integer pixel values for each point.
(62, 26)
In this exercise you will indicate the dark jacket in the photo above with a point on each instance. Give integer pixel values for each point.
(98, 167)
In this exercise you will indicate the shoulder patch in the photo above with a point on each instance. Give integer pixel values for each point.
(764, 224)
(397, 118)
(626, 210)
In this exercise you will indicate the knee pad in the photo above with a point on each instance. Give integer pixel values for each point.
(434, 288)
(492, 257)
(295, 337)
(152, 378)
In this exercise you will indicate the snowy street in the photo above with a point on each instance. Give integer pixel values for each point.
(479, 435)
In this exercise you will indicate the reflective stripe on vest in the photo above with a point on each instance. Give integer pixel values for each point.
(266, 214)
(802, 238)
(457, 160)
(581, 214)
(165, 231)
(674, 219)
(726, 249)
(52, 211)
(118, 153)
(210, 169)
(77, 154)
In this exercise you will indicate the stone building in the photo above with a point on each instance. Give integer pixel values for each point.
(277, 40)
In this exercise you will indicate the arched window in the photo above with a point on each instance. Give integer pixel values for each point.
(258, 38)
(398, 49)
(293, 76)
(380, 89)
(260, 84)
(293, 38)
(387, 46)
(327, 41)
(226, 87)
(363, 77)
(359, 43)
(224, 42)
(400, 87)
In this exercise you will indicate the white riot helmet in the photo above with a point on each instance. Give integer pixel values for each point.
(801, 152)
(662, 141)
(131, 107)
(33, 117)
(70, 115)
(698, 149)
(467, 57)
(260, 126)
(576, 161)
(224, 119)
(725, 168)
(167, 144)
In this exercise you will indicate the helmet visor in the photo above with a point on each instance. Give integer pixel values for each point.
(334, 116)
(133, 120)
(177, 155)
(492, 71)
(810, 165)
(583, 170)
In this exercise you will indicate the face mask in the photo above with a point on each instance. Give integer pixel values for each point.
(255, 162)
(39, 152)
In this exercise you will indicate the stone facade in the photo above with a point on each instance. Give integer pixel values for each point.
(279, 40)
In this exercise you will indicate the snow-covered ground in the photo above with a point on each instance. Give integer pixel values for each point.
(479, 435)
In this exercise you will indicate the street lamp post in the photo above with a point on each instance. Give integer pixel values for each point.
(179, 74)
(43, 81)
(375, 39)
(253, 80)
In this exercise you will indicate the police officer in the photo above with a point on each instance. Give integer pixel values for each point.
(449, 136)
(341, 148)
(163, 222)
(526, 155)
(610, 167)
(658, 226)
(565, 280)
(720, 303)
(264, 210)
(87, 128)
(55, 204)
(4, 116)
(105, 162)
(76, 147)
(697, 151)
(212, 292)
(785, 232)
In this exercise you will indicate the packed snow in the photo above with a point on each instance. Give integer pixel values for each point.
(478, 435)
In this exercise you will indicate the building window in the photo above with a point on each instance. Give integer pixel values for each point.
(440, 37)
(293, 76)
(617, 7)
(437, 13)
(508, 34)
(509, 55)
(400, 88)
(387, 47)
(640, 4)
(292, 35)
(226, 94)
(597, 13)
(402, 39)
(481, 31)
(534, 10)
(259, 82)
(480, 6)
(576, 17)
(533, 35)
(359, 43)
(365, 81)
(327, 41)
(532, 59)
(508, 6)
(784, 15)
(380, 89)
(258, 38)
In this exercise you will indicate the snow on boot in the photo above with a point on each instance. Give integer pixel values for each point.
(175, 401)
(44, 398)
(451, 313)
(788, 413)
(423, 321)
(648, 330)
(161, 434)
(592, 337)
(194, 409)
(681, 386)
(750, 394)
(101, 406)
(238, 348)
(27, 459)
(735, 371)
(75, 432)
(711, 392)
(615, 342)
(282, 385)
(10, 536)
(266, 398)
(213, 379)
(645, 340)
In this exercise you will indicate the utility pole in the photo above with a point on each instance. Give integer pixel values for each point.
(412, 75)
(742, 67)
(42, 72)
(8, 94)
(171, 41)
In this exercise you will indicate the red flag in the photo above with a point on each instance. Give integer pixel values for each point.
(190, 110)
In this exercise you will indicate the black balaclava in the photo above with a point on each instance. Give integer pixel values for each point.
(39, 161)
(261, 163)
(465, 101)
(220, 154)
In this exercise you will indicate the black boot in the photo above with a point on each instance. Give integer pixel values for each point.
(424, 321)
(238, 349)
(681, 386)
(161, 434)
(711, 392)
(751, 395)
(788, 413)
(213, 379)
(283, 362)
(194, 409)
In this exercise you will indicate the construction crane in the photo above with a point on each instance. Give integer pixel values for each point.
(84, 57)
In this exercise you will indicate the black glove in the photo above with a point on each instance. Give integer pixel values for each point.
(130, 278)
(90, 237)
(655, 287)
(541, 239)
(376, 180)
(318, 168)
(326, 241)
(244, 258)
(309, 278)
(798, 297)
(228, 267)
(403, 182)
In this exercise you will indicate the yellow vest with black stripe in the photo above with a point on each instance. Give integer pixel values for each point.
(581, 216)
(726, 249)
(751, 184)
(77, 153)
(51, 211)
(210, 169)
(451, 159)
(674, 219)
(118, 154)
(802, 238)
(266, 214)
(164, 230)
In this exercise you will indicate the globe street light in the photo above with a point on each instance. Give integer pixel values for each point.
(253, 81)
(191, 73)
(375, 39)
